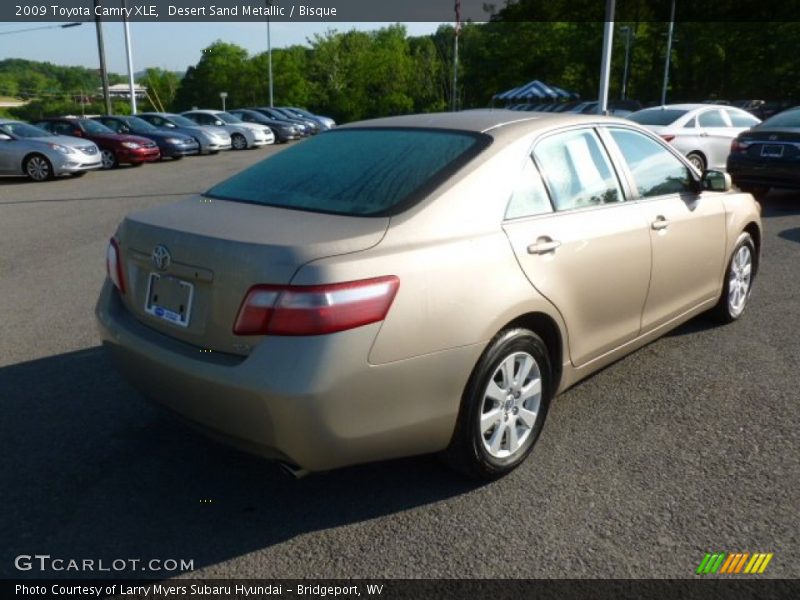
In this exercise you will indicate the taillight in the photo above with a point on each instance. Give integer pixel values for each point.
(739, 145)
(114, 265)
(315, 309)
(667, 137)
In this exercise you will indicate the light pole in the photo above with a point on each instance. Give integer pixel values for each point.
(627, 31)
(669, 53)
(129, 56)
(267, 3)
(223, 95)
(605, 65)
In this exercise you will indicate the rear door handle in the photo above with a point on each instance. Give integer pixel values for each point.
(660, 223)
(543, 245)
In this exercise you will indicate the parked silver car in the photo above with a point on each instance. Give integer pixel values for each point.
(243, 135)
(41, 155)
(702, 132)
(211, 139)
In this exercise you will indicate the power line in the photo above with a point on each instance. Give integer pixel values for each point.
(64, 26)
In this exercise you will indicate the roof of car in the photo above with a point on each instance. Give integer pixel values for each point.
(689, 106)
(490, 121)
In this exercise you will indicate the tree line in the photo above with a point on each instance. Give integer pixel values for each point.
(353, 75)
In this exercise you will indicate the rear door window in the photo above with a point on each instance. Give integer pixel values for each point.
(578, 171)
(712, 118)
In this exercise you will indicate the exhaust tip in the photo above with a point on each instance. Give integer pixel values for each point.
(292, 470)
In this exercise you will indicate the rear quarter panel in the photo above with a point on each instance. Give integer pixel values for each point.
(460, 282)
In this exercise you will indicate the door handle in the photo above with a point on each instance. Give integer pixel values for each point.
(543, 245)
(660, 223)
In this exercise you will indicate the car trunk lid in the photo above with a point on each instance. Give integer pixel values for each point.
(216, 251)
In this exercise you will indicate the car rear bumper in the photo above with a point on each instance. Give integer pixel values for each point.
(314, 401)
(746, 171)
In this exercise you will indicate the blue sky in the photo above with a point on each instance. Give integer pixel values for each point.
(173, 46)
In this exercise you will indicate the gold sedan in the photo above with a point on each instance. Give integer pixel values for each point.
(420, 284)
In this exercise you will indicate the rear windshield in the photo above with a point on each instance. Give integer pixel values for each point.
(657, 116)
(788, 118)
(355, 171)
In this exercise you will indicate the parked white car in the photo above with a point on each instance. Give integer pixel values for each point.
(702, 132)
(243, 135)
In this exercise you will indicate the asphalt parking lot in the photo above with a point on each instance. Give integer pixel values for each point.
(688, 446)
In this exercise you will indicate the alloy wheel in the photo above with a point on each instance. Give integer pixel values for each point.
(109, 160)
(739, 280)
(511, 405)
(38, 168)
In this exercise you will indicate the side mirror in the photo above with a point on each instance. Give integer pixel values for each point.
(5, 137)
(77, 133)
(717, 181)
(170, 125)
(218, 123)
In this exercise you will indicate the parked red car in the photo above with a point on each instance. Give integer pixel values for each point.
(115, 147)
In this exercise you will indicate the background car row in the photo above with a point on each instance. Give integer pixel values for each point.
(48, 148)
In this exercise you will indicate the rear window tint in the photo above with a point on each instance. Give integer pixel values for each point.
(657, 116)
(355, 171)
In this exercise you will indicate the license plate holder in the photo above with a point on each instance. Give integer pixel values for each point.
(169, 299)
(772, 150)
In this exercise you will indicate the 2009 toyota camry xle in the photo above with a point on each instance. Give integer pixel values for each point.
(420, 284)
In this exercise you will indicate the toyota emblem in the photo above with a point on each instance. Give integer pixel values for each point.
(161, 257)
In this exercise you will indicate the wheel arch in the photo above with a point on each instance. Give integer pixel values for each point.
(546, 328)
(30, 155)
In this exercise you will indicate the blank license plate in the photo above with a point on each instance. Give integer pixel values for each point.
(169, 299)
(772, 150)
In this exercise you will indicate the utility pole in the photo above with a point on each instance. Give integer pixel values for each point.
(669, 54)
(102, 51)
(129, 56)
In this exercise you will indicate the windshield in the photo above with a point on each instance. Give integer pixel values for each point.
(94, 127)
(23, 130)
(228, 117)
(788, 118)
(139, 124)
(657, 116)
(355, 171)
(181, 121)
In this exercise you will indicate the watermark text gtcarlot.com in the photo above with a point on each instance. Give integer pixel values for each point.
(46, 563)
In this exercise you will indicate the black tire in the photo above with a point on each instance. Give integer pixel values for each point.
(238, 142)
(38, 167)
(110, 160)
(727, 309)
(697, 160)
(468, 451)
(758, 191)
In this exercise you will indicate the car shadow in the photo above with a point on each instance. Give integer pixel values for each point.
(793, 235)
(94, 471)
(780, 203)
